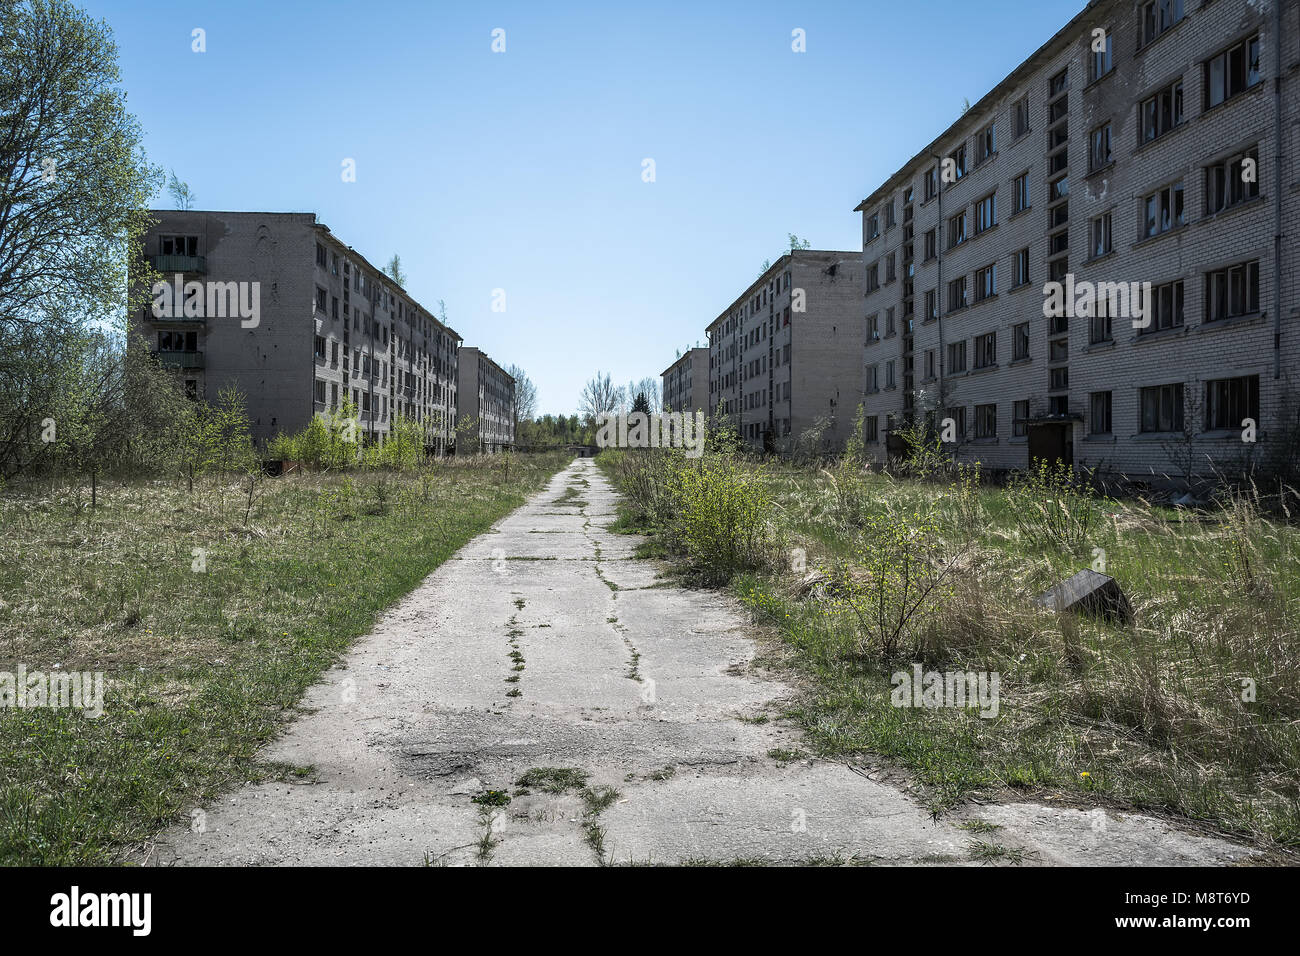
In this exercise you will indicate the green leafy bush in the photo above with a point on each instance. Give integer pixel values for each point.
(721, 516)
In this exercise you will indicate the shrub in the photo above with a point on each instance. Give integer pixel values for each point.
(720, 518)
(1053, 506)
(895, 583)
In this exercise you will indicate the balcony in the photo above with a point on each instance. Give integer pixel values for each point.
(181, 359)
(168, 264)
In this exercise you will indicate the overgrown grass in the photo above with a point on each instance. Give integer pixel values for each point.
(201, 668)
(1192, 708)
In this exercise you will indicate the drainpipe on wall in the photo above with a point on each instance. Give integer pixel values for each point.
(939, 239)
(1277, 188)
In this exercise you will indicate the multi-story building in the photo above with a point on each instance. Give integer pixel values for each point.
(487, 405)
(686, 382)
(784, 358)
(1147, 142)
(329, 327)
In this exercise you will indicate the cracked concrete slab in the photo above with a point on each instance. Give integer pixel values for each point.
(546, 643)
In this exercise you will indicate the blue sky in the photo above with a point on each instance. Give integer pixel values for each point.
(522, 170)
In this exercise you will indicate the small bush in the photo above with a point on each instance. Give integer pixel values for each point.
(720, 518)
(1053, 506)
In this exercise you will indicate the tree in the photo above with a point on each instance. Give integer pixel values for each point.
(796, 243)
(74, 190)
(525, 395)
(180, 192)
(600, 396)
(394, 271)
(641, 404)
(652, 389)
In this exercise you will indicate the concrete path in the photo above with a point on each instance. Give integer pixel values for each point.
(545, 644)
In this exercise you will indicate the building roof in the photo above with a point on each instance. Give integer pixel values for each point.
(410, 298)
(777, 267)
(487, 358)
(682, 358)
(974, 117)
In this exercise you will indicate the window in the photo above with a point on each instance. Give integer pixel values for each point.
(889, 374)
(931, 183)
(1099, 323)
(986, 213)
(986, 421)
(986, 282)
(873, 378)
(1020, 418)
(958, 164)
(1233, 71)
(1158, 16)
(873, 277)
(957, 230)
(1101, 59)
(891, 272)
(320, 300)
(1162, 408)
(1230, 400)
(320, 348)
(1166, 307)
(929, 363)
(1099, 155)
(872, 429)
(1058, 350)
(1232, 292)
(334, 307)
(1162, 112)
(931, 305)
(1022, 267)
(889, 214)
(320, 255)
(1022, 192)
(1020, 112)
(873, 328)
(889, 322)
(1164, 210)
(873, 226)
(1020, 339)
(334, 354)
(1059, 83)
(1059, 189)
(931, 246)
(1101, 237)
(958, 416)
(320, 391)
(1058, 379)
(178, 245)
(1099, 419)
(986, 350)
(956, 357)
(957, 294)
(1231, 181)
(986, 143)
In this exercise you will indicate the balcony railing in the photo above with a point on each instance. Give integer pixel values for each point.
(146, 315)
(181, 359)
(167, 264)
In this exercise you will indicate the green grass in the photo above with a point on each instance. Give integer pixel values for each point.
(1142, 715)
(201, 669)
(553, 779)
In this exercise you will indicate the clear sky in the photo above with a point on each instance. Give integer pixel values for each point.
(522, 170)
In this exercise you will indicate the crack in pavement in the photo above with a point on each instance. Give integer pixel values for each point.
(415, 722)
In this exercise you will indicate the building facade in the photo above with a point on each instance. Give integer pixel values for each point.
(329, 327)
(785, 357)
(686, 382)
(1148, 147)
(487, 405)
